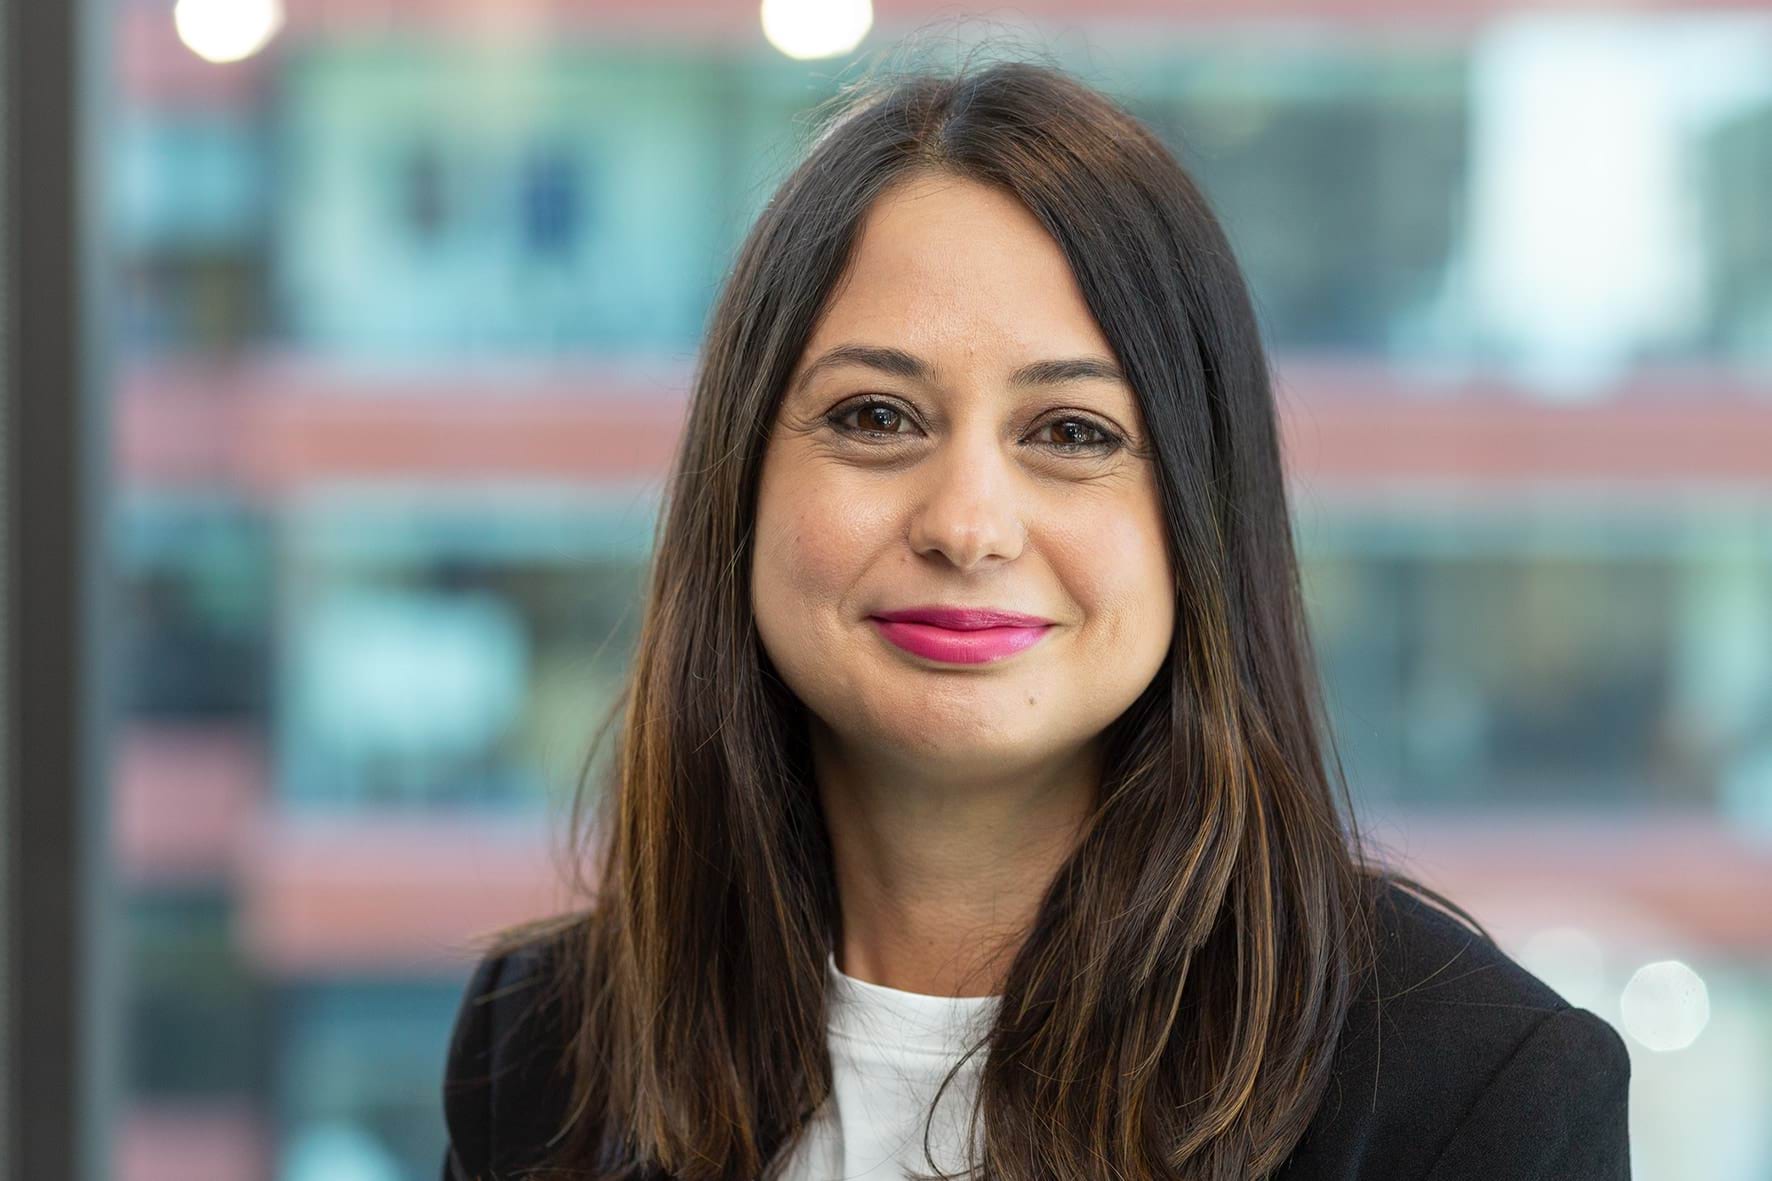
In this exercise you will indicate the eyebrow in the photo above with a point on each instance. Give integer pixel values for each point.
(899, 363)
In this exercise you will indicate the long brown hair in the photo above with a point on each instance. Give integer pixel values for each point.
(1174, 1007)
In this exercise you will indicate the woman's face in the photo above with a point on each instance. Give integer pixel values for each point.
(937, 470)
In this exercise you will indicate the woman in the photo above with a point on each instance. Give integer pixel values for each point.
(972, 803)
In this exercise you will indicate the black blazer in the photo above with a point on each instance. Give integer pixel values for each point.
(1465, 1065)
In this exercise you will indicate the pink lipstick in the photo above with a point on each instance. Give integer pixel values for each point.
(961, 635)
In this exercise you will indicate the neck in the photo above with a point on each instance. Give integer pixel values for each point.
(939, 876)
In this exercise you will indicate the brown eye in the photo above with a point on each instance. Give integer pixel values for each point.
(1079, 436)
(874, 418)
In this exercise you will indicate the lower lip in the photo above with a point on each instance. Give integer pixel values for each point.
(954, 646)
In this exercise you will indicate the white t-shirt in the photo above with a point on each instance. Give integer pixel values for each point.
(889, 1052)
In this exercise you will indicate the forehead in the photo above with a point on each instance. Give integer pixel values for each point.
(960, 272)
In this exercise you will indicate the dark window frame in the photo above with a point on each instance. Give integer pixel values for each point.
(58, 1043)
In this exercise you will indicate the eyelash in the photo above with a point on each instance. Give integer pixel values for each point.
(1107, 444)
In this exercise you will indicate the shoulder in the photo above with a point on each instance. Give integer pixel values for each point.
(504, 1080)
(1455, 1061)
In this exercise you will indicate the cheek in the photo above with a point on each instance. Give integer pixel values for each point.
(799, 559)
(1119, 569)
(812, 540)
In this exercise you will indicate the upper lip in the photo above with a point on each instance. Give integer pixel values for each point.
(962, 618)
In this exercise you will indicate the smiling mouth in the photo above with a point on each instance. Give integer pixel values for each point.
(960, 645)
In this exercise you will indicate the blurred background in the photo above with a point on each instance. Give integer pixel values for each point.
(386, 314)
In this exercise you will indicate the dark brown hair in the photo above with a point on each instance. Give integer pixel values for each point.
(1174, 1008)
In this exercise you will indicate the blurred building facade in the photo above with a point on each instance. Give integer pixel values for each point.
(405, 309)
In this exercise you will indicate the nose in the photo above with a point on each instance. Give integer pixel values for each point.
(970, 505)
